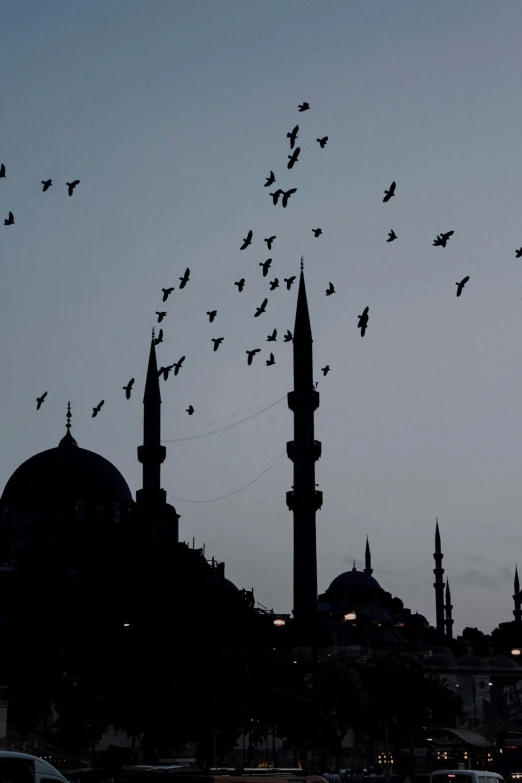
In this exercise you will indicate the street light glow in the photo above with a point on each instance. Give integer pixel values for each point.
(350, 616)
(279, 622)
(515, 651)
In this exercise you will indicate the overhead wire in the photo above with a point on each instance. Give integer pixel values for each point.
(226, 427)
(231, 415)
(235, 492)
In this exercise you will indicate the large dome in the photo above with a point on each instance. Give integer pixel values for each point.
(66, 472)
(354, 580)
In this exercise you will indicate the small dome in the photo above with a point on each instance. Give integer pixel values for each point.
(418, 619)
(66, 472)
(215, 582)
(354, 580)
(471, 662)
(440, 661)
(503, 662)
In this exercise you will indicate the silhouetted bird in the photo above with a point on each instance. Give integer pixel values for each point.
(293, 136)
(72, 185)
(240, 284)
(247, 241)
(323, 141)
(391, 236)
(330, 290)
(317, 231)
(275, 196)
(461, 285)
(251, 354)
(519, 253)
(159, 338)
(270, 361)
(325, 370)
(166, 371)
(287, 194)
(289, 281)
(46, 184)
(293, 158)
(389, 193)
(269, 242)
(442, 239)
(184, 280)
(272, 337)
(97, 409)
(363, 320)
(211, 315)
(274, 284)
(217, 342)
(2, 170)
(270, 180)
(303, 106)
(266, 266)
(128, 388)
(190, 410)
(166, 292)
(288, 337)
(177, 367)
(261, 308)
(40, 400)
(10, 221)
(161, 316)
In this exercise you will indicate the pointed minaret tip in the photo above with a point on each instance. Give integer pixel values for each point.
(517, 583)
(152, 389)
(302, 328)
(302, 263)
(437, 535)
(448, 594)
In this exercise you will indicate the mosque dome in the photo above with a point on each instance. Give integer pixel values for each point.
(354, 580)
(64, 473)
(217, 583)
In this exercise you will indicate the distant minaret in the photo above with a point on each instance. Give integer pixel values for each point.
(368, 559)
(439, 582)
(152, 454)
(516, 598)
(448, 606)
(304, 501)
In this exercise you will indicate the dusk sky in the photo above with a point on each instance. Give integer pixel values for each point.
(172, 113)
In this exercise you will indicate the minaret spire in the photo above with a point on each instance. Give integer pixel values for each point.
(304, 501)
(448, 606)
(151, 454)
(439, 582)
(368, 559)
(517, 598)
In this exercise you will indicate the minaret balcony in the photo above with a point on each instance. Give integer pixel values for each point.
(154, 455)
(304, 501)
(303, 401)
(304, 450)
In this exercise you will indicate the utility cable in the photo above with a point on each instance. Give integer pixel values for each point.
(226, 427)
(222, 497)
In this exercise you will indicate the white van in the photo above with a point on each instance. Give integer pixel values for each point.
(465, 776)
(23, 768)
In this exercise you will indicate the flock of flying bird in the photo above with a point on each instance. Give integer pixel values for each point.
(284, 195)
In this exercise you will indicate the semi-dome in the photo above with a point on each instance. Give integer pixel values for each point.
(66, 472)
(215, 582)
(354, 580)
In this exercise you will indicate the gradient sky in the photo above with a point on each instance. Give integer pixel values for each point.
(172, 114)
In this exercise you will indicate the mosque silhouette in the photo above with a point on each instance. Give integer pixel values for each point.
(68, 507)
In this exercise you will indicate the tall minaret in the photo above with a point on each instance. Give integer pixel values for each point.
(439, 582)
(152, 454)
(304, 451)
(516, 598)
(448, 606)
(368, 559)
